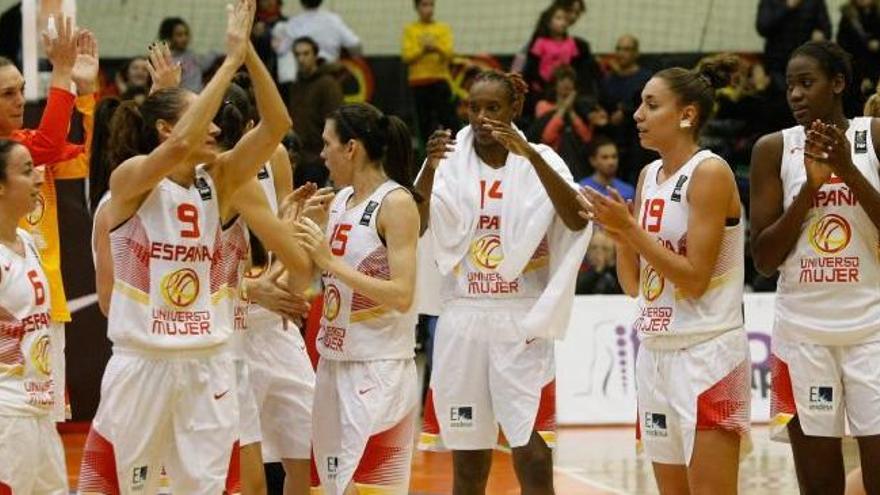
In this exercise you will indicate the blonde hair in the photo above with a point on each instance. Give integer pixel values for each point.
(872, 106)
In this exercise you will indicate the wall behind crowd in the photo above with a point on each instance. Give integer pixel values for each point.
(125, 27)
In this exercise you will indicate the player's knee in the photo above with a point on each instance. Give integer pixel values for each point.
(534, 464)
(472, 468)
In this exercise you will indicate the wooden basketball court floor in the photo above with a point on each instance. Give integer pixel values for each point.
(589, 461)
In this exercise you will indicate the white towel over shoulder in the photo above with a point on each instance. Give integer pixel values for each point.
(528, 216)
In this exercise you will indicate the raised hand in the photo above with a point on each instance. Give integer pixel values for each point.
(60, 43)
(508, 137)
(85, 69)
(240, 18)
(164, 71)
(439, 144)
(317, 207)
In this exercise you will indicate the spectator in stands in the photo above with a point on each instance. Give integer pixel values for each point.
(859, 34)
(327, 29)
(267, 16)
(567, 122)
(175, 31)
(621, 95)
(604, 160)
(314, 96)
(133, 73)
(598, 274)
(553, 46)
(427, 51)
(786, 25)
(574, 8)
(74, 58)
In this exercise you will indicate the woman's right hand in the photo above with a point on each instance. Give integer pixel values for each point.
(439, 144)
(815, 157)
(60, 43)
(240, 18)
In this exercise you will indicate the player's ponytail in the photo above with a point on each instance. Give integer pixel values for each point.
(100, 163)
(697, 86)
(385, 138)
(133, 127)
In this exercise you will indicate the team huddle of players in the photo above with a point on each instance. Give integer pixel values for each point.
(206, 382)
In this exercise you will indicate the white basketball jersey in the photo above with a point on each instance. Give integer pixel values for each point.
(25, 365)
(665, 311)
(353, 326)
(233, 311)
(258, 316)
(475, 277)
(829, 285)
(171, 271)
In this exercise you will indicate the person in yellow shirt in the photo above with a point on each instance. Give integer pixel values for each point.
(42, 222)
(427, 51)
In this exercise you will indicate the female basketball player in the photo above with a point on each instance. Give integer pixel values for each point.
(682, 255)
(31, 452)
(169, 390)
(815, 211)
(487, 369)
(276, 380)
(366, 394)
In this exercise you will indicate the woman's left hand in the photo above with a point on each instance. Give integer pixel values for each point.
(311, 238)
(611, 212)
(837, 147)
(508, 136)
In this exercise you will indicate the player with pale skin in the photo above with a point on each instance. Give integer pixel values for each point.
(667, 124)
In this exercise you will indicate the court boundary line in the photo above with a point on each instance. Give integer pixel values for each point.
(570, 472)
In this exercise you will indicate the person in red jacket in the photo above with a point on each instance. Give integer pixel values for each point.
(74, 57)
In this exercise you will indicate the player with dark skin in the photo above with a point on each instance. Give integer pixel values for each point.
(495, 100)
(815, 89)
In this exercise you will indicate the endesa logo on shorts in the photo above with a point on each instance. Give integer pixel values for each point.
(332, 466)
(821, 398)
(180, 288)
(655, 424)
(486, 252)
(39, 354)
(652, 284)
(830, 234)
(332, 302)
(461, 417)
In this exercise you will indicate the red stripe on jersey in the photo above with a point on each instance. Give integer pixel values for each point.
(233, 476)
(725, 405)
(429, 423)
(781, 392)
(545, 419)
(131, 255)
(98, 469)
(387, 456)
(5, 489)
(374, 265)
(11, 332)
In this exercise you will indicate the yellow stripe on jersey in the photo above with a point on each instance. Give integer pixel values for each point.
(537, 264)
(368, 314)
(12, 370)
(549, 438)
(430, 441)
(131, 292)
(224, 292)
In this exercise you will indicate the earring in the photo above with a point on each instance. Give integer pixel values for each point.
(684, 124)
